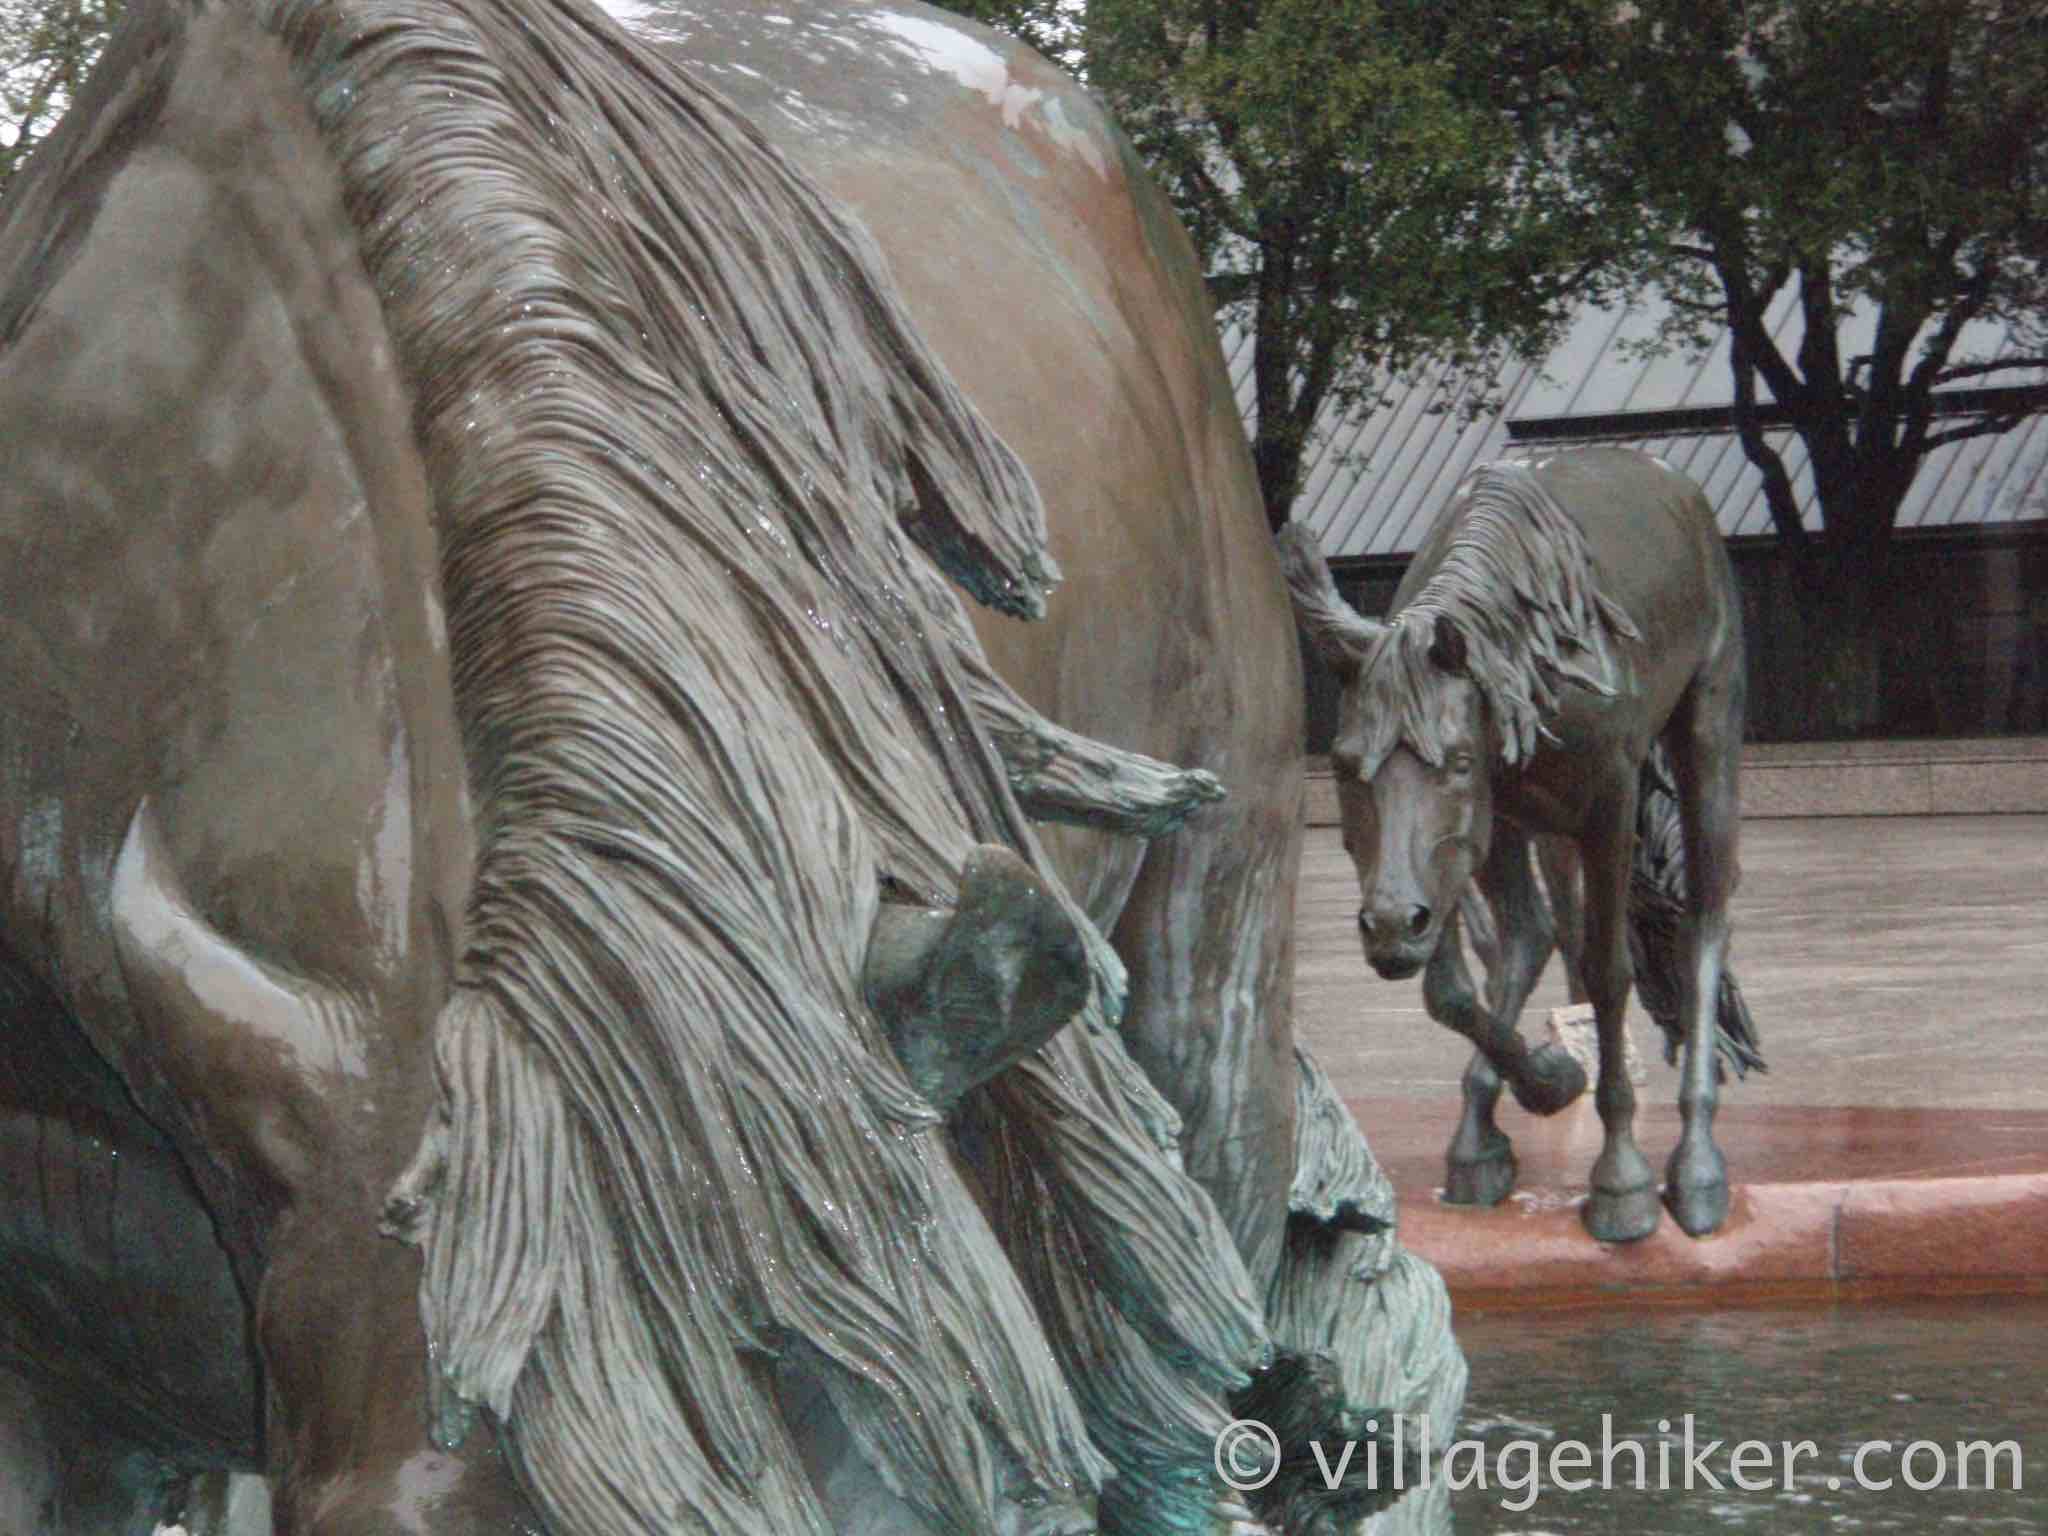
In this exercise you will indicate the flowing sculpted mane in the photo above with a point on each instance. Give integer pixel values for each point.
(1519, 586)
(681, 436)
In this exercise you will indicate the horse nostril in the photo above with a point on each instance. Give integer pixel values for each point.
(1364, 921)
(1418, 921)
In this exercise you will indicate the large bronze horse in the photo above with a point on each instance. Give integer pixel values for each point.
(488, 757)
(1564, 617)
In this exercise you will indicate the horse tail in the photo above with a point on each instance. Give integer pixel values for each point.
(1656, 900)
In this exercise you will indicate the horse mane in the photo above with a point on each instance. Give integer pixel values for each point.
(681, 436)
(1519, 586)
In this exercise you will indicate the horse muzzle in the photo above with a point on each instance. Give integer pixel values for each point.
(1400, 944)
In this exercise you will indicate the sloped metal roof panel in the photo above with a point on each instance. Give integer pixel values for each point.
(1374, 476)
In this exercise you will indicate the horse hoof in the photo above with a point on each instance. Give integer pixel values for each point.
(1699, 1209)
(1483, 1181)
(1622, 1215)
(1552, 1081)
(1696, 1189)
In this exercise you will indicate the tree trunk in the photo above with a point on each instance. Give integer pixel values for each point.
(1277, 458)
(1841, 591)
(1840, 619)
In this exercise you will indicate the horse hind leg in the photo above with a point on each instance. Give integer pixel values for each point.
(1705, 743)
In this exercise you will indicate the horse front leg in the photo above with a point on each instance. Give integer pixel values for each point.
(1705, 742)
(1622, 1205)
(1480, 1166)
(1558, 857)
(1481, 1161)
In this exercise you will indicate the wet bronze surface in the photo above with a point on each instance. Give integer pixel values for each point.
(472, 689)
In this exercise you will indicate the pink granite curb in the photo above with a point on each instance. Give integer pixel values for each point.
(1825, 1240)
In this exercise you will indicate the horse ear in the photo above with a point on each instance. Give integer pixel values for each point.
(1341, 637)
(1447, 647)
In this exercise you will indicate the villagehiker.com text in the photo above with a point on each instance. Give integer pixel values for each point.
(1249, 1456)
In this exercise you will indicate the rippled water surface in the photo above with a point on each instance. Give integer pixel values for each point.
(1840, 1377)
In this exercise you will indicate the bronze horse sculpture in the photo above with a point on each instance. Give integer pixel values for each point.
(491, 760)
(1566, 617)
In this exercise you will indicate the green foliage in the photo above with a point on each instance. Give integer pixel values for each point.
(1357, 208)
(1881, 152)
(46, 49)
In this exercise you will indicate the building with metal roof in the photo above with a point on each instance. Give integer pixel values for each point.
(1374, 478)
(1974, 544)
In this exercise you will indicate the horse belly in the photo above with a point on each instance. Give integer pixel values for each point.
(115, 1294)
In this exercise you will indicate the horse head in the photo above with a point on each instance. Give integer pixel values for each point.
(1409, 757)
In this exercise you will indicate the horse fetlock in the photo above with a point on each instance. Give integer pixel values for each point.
(1615, 1099)
(1549, 1080)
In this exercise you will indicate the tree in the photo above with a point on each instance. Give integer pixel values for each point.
(1880, 162)
(1355, 208)
(46, 49)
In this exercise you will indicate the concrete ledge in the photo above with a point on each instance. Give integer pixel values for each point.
(1920, 1237)
(1991, 776)
(1897, 778)
(1843, 1204)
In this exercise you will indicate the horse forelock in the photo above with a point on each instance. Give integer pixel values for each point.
(1519, 583)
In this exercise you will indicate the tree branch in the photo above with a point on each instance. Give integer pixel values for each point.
(1934, 358)
(1978, 370)
(1985, 426)
(1214, 198)
(1746, 323)
(1778, 493)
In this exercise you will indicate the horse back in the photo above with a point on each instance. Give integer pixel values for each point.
(1055, 282)
(1654, 549)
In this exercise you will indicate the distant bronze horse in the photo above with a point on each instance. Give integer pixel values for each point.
(1564, 616)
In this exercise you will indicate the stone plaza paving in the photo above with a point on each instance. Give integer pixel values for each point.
(1897, 968)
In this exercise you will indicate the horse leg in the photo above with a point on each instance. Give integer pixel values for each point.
(1559, 859)
(1207, 938)
(1545, 1079)
(1622, 1205)
(1480, 1168)
(1481, 1162)
(1705, 742)
(310, 1100)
